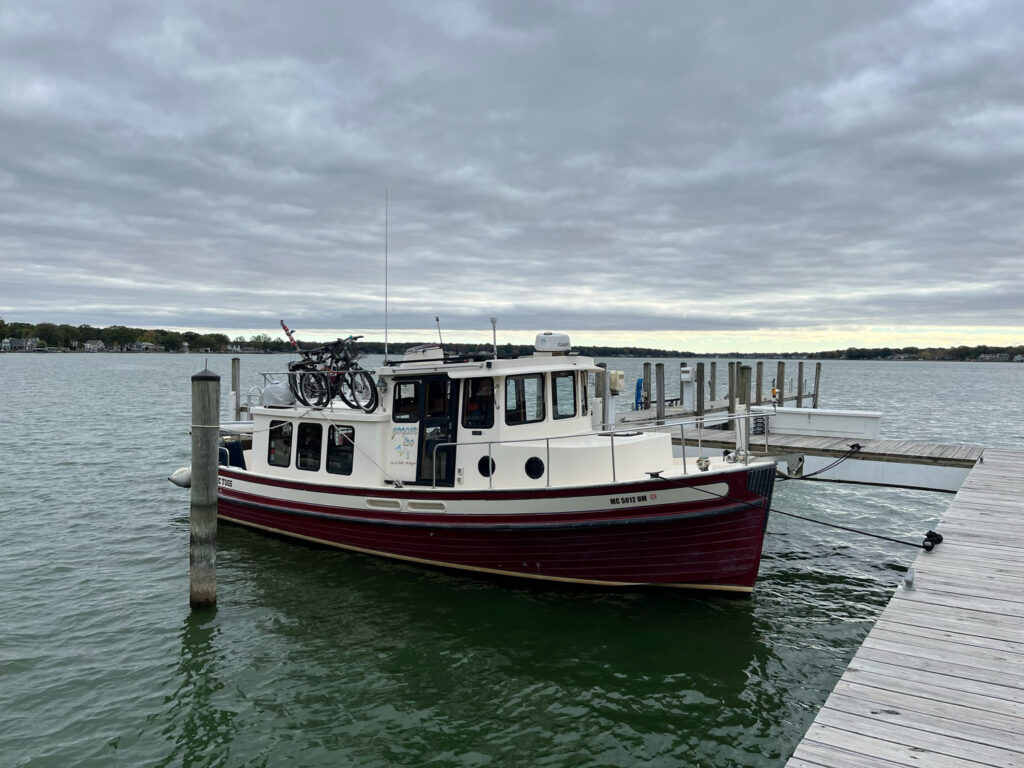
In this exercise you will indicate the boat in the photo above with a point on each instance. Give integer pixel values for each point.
(497, 465)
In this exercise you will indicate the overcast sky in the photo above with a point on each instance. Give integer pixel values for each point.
(706, 176)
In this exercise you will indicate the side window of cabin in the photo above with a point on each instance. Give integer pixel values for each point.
(524, 398)
(437, 398)
(563, 394)
(340, 448)
(584, 394)
(307, 452)
(279, 452)
(478, 403)
(407, 400)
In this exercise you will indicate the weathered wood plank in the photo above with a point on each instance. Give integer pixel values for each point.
(960, 729)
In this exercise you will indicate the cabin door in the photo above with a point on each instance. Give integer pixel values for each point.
(438, 425)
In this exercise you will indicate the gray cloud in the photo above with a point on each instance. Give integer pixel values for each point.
(586, 165)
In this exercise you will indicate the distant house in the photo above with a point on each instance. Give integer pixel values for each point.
(1018, 358)
(20, 345)
(146, 346)
(995, 357)
(95, 345)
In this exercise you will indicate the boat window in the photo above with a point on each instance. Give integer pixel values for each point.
(407, 397)
(437, 398)
(478, 403)
(279, 453)
(524, 398)
(307, 453)
(584, 393)
(340, 447)
(563, 394)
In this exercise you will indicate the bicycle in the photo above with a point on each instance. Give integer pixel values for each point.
(329, 371)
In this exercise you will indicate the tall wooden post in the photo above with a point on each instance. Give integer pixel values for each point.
(745, 386)
(202, 550)
(817, 384)
(780, 383)
(698, 406)
(647, 386)
(800, 384)
(236, 377)
(659, 391)
(711, 381)
(732, 387)
(758, 399)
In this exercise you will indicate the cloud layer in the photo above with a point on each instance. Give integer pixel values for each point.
(590, 165)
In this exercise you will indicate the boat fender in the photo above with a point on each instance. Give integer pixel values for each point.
(182, 477)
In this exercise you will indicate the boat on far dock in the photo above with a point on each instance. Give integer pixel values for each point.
(495, 465)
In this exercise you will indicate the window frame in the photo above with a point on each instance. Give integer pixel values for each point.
(281, 425)
(348, 446)
(518, 382)
(301, 456)
(556, 401)
(468, 395)
(406, 418)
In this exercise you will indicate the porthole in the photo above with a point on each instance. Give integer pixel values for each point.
(534, 468)
(486, 466)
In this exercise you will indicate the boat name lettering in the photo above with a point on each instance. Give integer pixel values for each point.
(225, 482)
(626, 499)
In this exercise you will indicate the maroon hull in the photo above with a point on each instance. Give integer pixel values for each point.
(713, 543)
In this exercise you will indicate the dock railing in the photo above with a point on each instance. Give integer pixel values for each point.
(741, 422)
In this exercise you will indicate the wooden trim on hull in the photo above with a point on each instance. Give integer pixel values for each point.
(478, 569)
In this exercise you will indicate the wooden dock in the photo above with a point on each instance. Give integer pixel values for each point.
(902, 451)
(939, 680)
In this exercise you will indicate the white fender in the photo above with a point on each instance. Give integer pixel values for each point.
(182, 477)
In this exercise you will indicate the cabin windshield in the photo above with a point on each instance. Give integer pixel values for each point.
(478, 403)
(563, 394)
(524, 398)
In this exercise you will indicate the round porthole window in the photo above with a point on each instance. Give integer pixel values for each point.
(486, 466)
(534, 467)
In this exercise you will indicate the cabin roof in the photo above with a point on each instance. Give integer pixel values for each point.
(494, 367)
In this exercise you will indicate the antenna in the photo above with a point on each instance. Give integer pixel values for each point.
(437, 320)
(385, 275)
(494, 332)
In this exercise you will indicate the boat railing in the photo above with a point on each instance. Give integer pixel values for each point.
(741, 423)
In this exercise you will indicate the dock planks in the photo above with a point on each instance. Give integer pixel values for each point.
(939, 680)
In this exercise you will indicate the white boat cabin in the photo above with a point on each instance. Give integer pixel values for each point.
(467, 424)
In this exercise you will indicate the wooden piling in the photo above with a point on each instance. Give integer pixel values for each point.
(744, 377)
(800, 384)
(711, 381)
(202, 573)
(732, 387)
(758, 398)
(236, 379)
(659, 388)
(780, 384)
(817, 384)
(698, 390)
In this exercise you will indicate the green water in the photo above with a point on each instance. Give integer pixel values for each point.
(316, 657)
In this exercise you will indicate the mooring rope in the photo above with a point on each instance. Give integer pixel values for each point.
(931, 538)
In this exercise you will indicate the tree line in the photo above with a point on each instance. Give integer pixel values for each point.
(66, 336)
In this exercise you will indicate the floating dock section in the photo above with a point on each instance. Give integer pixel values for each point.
(939, 680)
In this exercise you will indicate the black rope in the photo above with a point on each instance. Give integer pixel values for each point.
(930, 539)
(854, 448)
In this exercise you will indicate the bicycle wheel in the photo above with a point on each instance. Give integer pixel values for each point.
(315, 389)
(357, 390)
